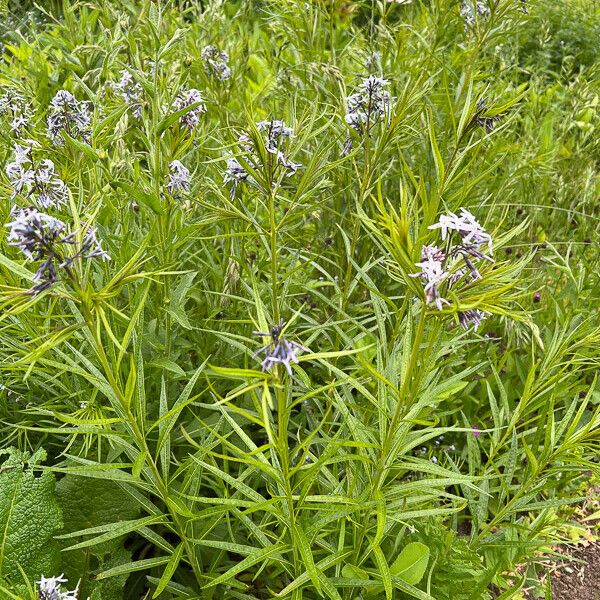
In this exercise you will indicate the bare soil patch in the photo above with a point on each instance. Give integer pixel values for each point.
(578, 580)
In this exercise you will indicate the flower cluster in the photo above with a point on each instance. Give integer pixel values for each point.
(179, 178)
(373, 62)
(234, 173)
(131, 92)
(18, 110)
(278, 350)
(480, 119)
(41, 237)
(69, 115)
(27, 180)
(185, 99)
(277, 132)
(466, 225)
(438, 267)
(51, 589)
(371, 104)
(218, 61)
(433, 273)
(473, 317)
(470, 10)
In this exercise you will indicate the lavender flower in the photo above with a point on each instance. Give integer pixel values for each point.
(51, 589)
(472, 317)
(43, 181)
(433, 274)
(20, 177)
(34, 233)
(131, 92)
(467, 227)
(285, 162)
(191, 119)
(277, 131)
(488, 123)
(234, 174)
(437, 267)
(17, 108)
(468, 251)
(278, 350)
(218, 61)
(51, 190)
(179, 178)
(40, 236)
(69, 115)
(276, 134)
(470, 10)
(369, 105)
(91, 247)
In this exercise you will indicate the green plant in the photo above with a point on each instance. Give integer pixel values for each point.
(345, 344)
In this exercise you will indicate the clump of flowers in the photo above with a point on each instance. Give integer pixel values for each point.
(277, 132)
(50, 588)
(373, 62)
(69, 115)
(187, 98)
(367, 107)
(480, 119)
(41, 237)
(50, 190)
(433, 273)
(234, 173)
(131, 92)
(470, 10)
(217, 62)
(179, 178)
(14, 105)
(438, 267)
(278, 350)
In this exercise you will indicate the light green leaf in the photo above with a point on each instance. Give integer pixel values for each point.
(411, 563)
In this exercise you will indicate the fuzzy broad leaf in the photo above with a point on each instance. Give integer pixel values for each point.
(29, 518)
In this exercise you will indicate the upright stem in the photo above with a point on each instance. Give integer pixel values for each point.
(383, 462)
(283, 451)
(273, 248)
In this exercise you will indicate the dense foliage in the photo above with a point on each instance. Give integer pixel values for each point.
(297, 299)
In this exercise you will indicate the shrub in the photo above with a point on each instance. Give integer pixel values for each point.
(298, 300)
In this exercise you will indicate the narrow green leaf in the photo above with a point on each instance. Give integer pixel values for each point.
(169, 570)
(131, 567)
(111, 531)
(140, 196)
(249, 561)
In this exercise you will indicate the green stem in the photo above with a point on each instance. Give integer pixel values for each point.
(383, 462)
(284, 461)
(273, 249)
